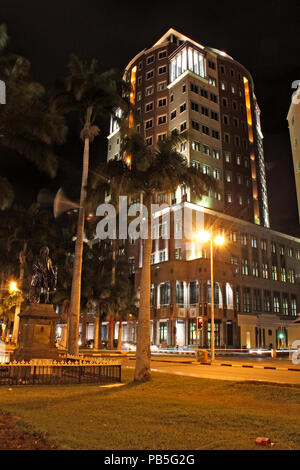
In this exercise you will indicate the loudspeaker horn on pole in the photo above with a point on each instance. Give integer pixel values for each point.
(63, 204)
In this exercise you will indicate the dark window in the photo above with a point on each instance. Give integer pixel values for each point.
(194, 88)
(205, 130)
(194, 106)
(195, 125)
(211, 65)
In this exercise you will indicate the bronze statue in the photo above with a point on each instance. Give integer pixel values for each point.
(44, 278)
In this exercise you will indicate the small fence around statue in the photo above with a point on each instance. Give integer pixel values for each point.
(68, 372)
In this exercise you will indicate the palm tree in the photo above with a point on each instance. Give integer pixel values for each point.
(161, 169)
(91, 94)
(26, 124)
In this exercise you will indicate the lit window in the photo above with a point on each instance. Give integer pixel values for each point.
(276, 305)
(217, 173)
(293, 306)
(162, 86)
(196, 146)
(283, 274)
(254, 242)
(263, 245)
(233, 236)
(183, 146)
(150, 90)
(274, 273)
(187, 59)
(255, 270)
(245, 267)
(265, 271)
(216, 154)
(212, 81)
(227, 157)
(243, 239)
(206, 149)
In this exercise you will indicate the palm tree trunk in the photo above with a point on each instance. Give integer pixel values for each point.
(143, 355)
(77, 267)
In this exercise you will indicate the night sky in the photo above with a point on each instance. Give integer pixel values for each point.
(262, 35)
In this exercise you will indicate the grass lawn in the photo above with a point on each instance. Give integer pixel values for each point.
(170, 412)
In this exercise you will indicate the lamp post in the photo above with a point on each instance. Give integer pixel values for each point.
(206, 236)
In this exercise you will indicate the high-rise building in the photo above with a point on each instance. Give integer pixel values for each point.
(180, 84)
(294, 127)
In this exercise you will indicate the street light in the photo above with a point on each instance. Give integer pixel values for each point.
(205, 236)
(13, 288)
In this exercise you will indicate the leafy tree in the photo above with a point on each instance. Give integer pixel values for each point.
(26, 124)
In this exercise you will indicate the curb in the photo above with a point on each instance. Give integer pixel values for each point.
(224, 364)
(247, 366)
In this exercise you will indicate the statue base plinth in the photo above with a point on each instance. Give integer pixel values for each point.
(37, 333)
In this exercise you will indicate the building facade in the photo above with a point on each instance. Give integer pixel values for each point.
(294, 128)
(256, 284)
(180, 84)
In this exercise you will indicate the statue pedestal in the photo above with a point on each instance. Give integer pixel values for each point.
(37, 333)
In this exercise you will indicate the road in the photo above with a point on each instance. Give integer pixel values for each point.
(235, 372)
